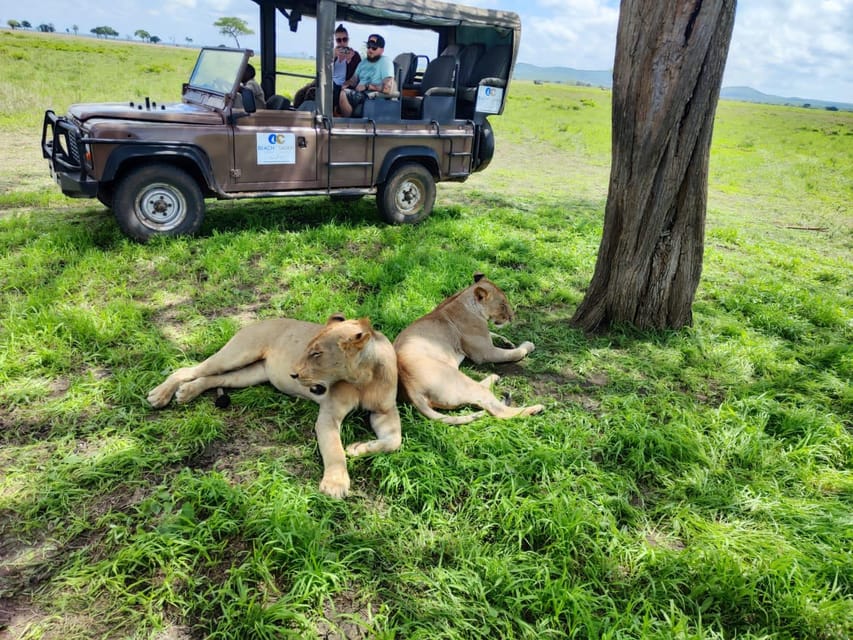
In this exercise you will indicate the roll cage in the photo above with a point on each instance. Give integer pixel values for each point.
(455, 24)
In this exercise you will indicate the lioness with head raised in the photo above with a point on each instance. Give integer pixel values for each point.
(341, 366)
(430, 350)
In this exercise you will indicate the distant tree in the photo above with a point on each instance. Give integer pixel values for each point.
(13, 24)
(189, 40)
(154, 39)
(75, 29)
(807, 105)
(26, 24)
(105, 32)
(142, 34)
(832, 108)
(233, 27)
(47, 28)
(666, 82)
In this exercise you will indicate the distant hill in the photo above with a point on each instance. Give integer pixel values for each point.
(524, 71)
(748, 94)
(567, 75)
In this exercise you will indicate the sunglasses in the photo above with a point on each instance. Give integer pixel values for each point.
(341, 39)
(373, 45)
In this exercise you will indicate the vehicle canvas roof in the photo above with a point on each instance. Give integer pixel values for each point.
(425, 13)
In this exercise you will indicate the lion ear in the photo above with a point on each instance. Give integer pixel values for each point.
(481, 294)
(359, 339)
(478, 276)
(335, 318)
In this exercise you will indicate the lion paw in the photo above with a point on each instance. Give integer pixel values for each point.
(533, 410)
(527, 346)
(358, 449)
(335, 484)
(159, 397)
(187, 392)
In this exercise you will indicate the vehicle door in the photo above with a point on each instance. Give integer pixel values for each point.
(276, 151)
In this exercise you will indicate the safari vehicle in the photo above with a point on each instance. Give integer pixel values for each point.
(154, 164)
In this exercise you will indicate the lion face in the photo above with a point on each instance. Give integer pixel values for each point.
(493, 302)
(333, 354)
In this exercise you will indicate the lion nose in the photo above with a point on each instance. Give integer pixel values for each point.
(295, 376)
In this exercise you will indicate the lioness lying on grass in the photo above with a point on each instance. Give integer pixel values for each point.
(340, 366)
(430, 350)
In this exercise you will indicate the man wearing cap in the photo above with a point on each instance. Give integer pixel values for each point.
(375, 73)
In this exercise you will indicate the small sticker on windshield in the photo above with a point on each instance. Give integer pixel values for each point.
(276, 148)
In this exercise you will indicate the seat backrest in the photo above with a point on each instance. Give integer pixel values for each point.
(452, 50)
(278, 102)
(439, 73)
(406, 64)
(494, 63)
(468, 58)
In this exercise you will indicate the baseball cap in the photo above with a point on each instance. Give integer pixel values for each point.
(377, 39)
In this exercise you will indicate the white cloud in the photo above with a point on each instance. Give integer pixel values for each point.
(575, 33)
(794, 48)
(797, 48)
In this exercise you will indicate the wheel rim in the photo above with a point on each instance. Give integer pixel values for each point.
(409, 197)
(160, 206)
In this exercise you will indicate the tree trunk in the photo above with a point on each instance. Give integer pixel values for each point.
(666, 81)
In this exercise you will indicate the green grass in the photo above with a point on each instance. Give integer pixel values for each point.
(690, 484)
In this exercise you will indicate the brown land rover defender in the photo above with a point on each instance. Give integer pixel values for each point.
(154, 164)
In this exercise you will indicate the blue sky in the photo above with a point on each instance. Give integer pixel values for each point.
(793, 48)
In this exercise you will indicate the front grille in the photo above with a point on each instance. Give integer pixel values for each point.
(73, 141)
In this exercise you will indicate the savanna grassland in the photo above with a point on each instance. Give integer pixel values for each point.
(680, 484)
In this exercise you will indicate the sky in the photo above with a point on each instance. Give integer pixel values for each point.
(790, 48)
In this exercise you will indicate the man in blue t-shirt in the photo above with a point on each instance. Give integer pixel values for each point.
(375, 73)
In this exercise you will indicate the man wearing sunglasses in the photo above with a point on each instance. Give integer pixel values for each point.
(376, 73)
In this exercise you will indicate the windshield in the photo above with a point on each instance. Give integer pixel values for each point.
(216, 70)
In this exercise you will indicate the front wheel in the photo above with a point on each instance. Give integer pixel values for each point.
(158, 200)
(408, 194)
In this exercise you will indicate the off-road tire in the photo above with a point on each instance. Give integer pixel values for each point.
(158, 200)
(106, 195)
(407, 195)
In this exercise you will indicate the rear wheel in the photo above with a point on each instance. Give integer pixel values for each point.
(158, 200)
(408, 195)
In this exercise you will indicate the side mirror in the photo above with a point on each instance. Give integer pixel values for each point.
(248, 97)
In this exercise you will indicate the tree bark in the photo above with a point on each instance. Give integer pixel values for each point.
(669, 66)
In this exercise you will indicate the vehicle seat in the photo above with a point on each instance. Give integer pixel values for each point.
(278, 102)
(385, 107)
(468, 58)
(436, 90)
(490, 70)
(307, 105)
(406, 63)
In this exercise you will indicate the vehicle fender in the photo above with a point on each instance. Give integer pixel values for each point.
(426, 156)
(187, 154)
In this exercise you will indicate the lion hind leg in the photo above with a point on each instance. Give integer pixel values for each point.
(422, 404)
(464, 391)
(246, 377)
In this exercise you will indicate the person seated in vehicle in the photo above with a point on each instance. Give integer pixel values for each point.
(344, 64)
(250, 83)
(376, 73)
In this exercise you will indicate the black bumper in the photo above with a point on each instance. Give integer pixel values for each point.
(62, 145)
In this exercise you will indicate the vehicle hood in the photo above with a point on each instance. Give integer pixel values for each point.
(146, 111)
